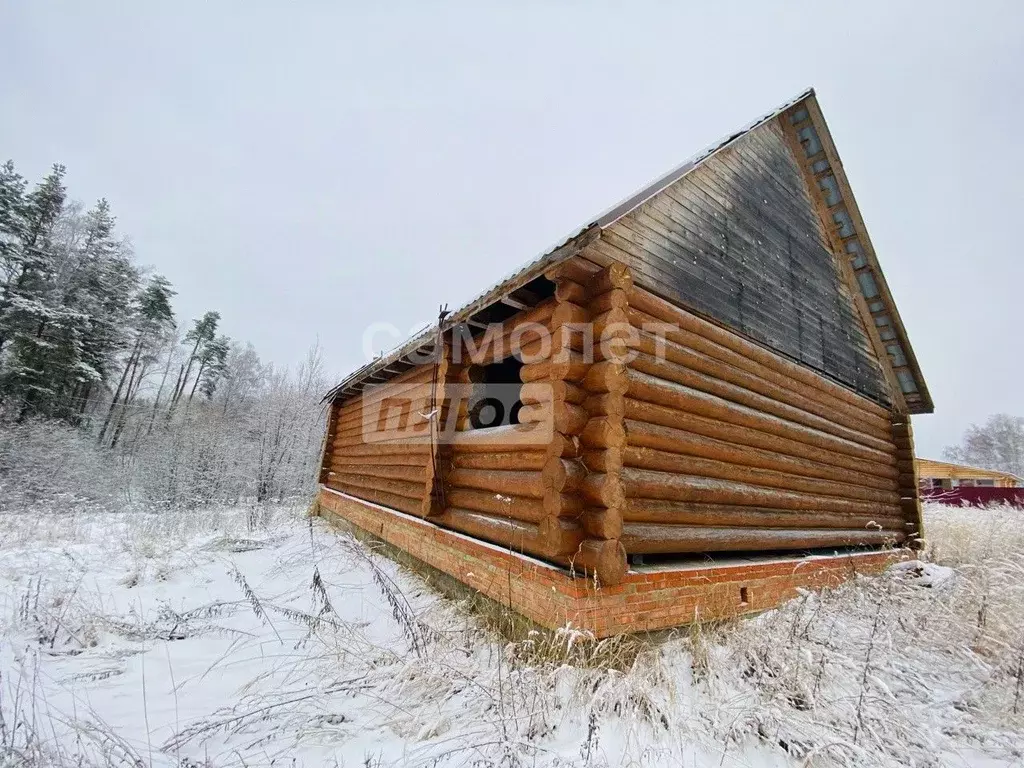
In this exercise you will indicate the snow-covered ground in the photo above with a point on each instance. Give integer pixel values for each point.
(227, 637)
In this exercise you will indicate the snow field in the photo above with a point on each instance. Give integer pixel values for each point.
(233, 636)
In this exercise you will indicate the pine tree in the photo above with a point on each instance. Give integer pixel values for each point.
(29, 316)
(12, 226)
(203, 332)
(152, 322)
(212, 366)
(101, 286)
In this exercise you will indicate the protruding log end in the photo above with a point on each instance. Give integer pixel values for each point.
(599, 523)
(603, 490)
(603, 432)
(615, 275)
(560, 537)
(605, 558)
(569, 290)
(562, 474)
(606, 376)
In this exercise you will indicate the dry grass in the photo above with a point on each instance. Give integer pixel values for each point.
(922, 665)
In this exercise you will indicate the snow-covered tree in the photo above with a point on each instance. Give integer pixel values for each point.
(996, 444)
(152, 324)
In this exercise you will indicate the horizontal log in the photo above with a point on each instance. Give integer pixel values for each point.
(504, 482)
(390, 389)
(570, 419)
(533, 460)
(552, 344)
(415, 432)
(514, 507)
(683, 398)
(657, 426)
(563, 475)
(411, 490)
(378, 460)
(664, 461)
(413, 421)
(665, 311)
(616, 298)
(863, 422)
(412, 474)
(613, 324)
(822, 391)
(411, 448)
(390, 500)
(651, 484)
(572, 369)
(689, 513)
(500, 341)
(673, 372)
(540, 413)
(563, 504)
(417, 398)
(743, 435)
(568, 313)
(577, 269)
(657, 457)
(519, 436)
(650, 538)
(552, 391)
(567, 289)
(605, 558)
(514, 535)
(565, 418)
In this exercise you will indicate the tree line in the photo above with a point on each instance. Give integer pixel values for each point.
(90, 344)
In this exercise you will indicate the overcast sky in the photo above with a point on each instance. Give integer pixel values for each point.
(307, 168)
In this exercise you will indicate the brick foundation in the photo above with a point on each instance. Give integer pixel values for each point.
(649, 598)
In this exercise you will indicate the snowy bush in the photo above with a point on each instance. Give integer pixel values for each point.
(49, 463)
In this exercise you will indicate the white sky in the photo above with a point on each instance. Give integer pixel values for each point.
(308, 168)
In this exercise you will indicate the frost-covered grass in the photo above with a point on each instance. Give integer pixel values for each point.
(233, 636)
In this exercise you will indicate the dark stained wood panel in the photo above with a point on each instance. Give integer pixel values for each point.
(739, 240)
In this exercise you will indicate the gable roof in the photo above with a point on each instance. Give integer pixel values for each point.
(398, 360)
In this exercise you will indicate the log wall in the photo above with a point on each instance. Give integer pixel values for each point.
(728, 446)
(519, 486)
(378, 445)
(669, 434)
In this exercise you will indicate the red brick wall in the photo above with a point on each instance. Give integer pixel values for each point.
(647, 600)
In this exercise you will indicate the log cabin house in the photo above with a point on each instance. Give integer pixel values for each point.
(695, 404)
